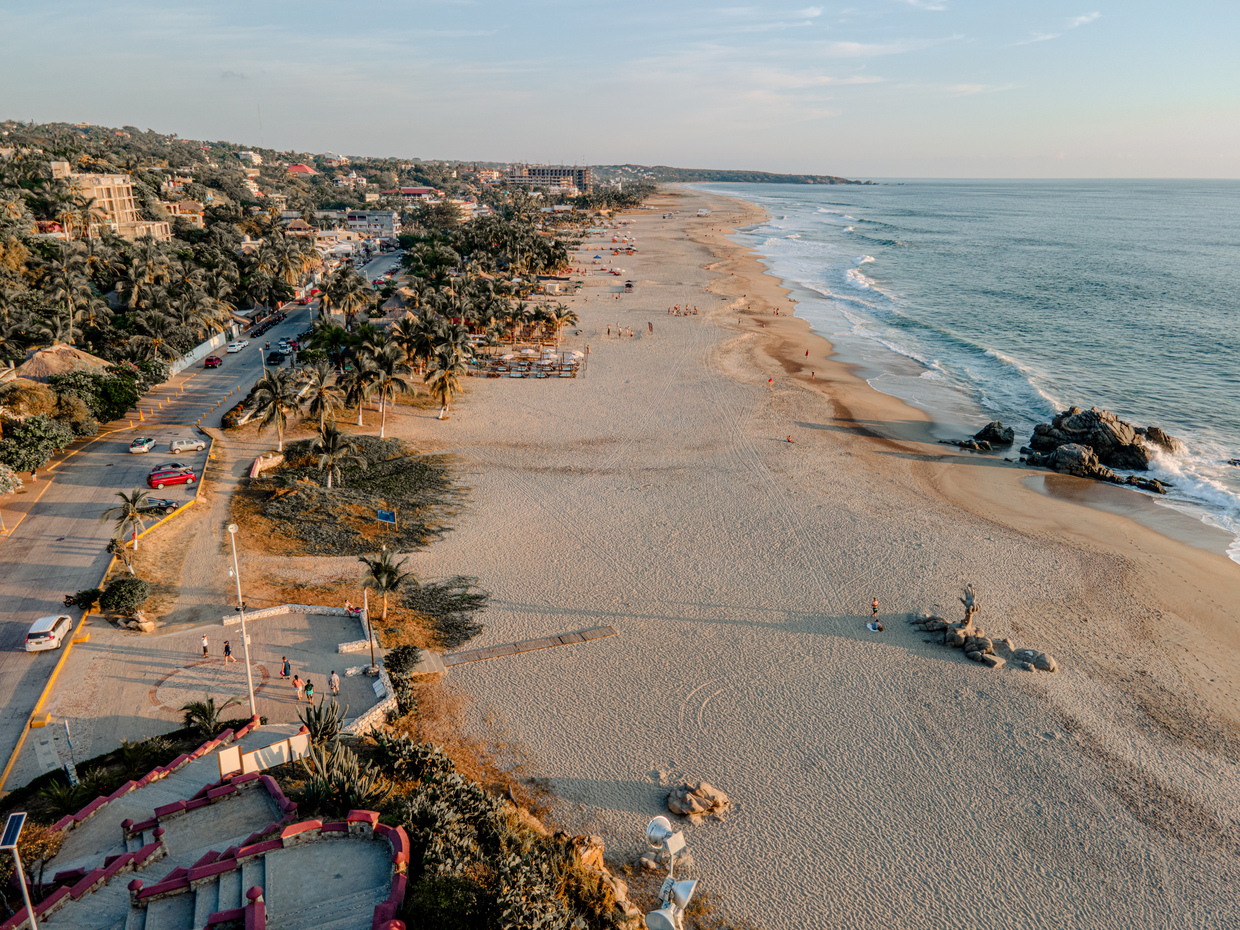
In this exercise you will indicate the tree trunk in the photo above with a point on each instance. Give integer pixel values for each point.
(382, 414)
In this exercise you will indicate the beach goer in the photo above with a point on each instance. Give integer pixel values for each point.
(228, 656)
(309, 692)
(286, 668)
(790, 439)
(874, 607)
(807, 353)
(874, 627)
(204, 645)
(300, 686)
(334, 682)
(770, 382)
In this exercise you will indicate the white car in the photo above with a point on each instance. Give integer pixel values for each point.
(235, 347)
(48, 633)
(186, 445)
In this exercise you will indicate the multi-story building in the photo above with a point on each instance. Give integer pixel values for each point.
(413, 194)
(113, 196)
(189, 210)
(374, 224)
(252, 157)
(555, 176)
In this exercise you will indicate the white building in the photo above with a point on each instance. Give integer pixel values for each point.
(374, 224)
(252, 157)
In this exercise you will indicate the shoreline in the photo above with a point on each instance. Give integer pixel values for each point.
(658, 495)
(874, 361)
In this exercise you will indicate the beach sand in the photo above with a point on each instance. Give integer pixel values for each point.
(880, 780)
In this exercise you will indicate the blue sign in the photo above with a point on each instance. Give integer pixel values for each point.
(387, 516)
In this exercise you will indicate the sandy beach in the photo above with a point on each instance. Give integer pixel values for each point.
(881, 780)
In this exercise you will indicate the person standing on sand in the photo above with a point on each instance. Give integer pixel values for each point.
(204, 645)
(874, 608)
(334, 682)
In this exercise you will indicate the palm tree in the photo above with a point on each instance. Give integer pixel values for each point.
(275, 397)
(357, 383)
(390, 377)
(204, 716)
(88, 215)
(444, 378)
(335, 452)
(66, 283)
(384, 575)
(128, 513)
(325, 398)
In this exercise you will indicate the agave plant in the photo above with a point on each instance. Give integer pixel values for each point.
(63, 797)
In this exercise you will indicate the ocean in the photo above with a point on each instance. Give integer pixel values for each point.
(1011, 300)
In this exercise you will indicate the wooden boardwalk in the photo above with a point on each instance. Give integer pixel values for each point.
(527, 645)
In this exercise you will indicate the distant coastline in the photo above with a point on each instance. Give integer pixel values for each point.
(668, 175)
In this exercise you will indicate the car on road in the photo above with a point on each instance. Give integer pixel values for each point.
(142, 444)
(158, 479)
(212, 361)
(170, 466)
(48, 633)
(186, 445)
(162, 504)
(276, 358)
(235, 347)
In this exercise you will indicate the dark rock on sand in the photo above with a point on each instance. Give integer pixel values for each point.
(996, 434)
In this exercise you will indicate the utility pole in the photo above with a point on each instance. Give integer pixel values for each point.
(245, 638)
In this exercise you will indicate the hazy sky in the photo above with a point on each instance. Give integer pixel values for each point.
(892, 88)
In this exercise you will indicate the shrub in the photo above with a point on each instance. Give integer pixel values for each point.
(449, 605)
(74, 413)
(125, 595)
(31, 443)
(65, 798)
(204, 716)
(27, 399)
(9, 482)
(400, 663)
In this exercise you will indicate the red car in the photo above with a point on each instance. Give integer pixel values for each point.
(212, 361)
(158, 479)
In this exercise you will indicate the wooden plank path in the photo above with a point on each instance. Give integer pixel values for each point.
(527, 645)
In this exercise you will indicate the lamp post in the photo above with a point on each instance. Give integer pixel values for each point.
(675, 895)
(245, 639)
(12, 830)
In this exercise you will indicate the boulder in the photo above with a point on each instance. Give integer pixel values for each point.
(974, 656)
(1074, 459)
(1035, 660)
(994, 661)
(1157, 437)
(589, 849)
(697, 799)
(1115, 443)
(996, 434)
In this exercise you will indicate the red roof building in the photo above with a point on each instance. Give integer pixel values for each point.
(301, 169)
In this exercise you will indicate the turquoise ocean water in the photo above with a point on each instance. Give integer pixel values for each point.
(980, 300)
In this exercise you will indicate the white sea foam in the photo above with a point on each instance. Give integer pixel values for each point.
(864, 259)
(858, 280)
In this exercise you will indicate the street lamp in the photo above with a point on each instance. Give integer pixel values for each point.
(12, 830)
(675, 895)
(245, 639)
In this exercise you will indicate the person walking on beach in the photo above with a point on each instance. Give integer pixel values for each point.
(228, 656)
(286, 667)
(204, 645)
(309, 692)
(300, 686)
(334, 682)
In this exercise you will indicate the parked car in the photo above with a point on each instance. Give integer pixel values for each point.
(162, 504)
(235, 347)
(170, 466)
(48, 633)
(212, 361)
(158, 479)
(186, 445)
(142, 444)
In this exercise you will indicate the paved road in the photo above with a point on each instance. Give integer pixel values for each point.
(58, 547)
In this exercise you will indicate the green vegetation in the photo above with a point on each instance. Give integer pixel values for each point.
(325, 721)
(400, 663)
(129, 514)
(125, 595)
(29, 444)
(204, 718)
(342, 521)
(449, 607)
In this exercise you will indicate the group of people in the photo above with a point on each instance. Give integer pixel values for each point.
(305, 689)
(678, 310)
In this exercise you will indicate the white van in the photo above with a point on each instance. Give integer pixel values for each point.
(48, 633)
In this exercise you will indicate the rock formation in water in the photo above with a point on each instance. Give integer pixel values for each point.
(1090, 443)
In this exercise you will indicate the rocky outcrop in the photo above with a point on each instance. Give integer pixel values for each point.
(1090, 443)
(588, 850)
(977, 646)
(697, 801)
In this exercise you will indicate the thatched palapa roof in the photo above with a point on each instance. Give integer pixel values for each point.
(57, 360)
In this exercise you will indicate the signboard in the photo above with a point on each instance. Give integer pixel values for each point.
(12, 830)
(387, 516)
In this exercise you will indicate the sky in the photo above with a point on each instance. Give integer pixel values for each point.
(883, 89)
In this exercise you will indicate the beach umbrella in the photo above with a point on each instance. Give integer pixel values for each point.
(506, 357)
